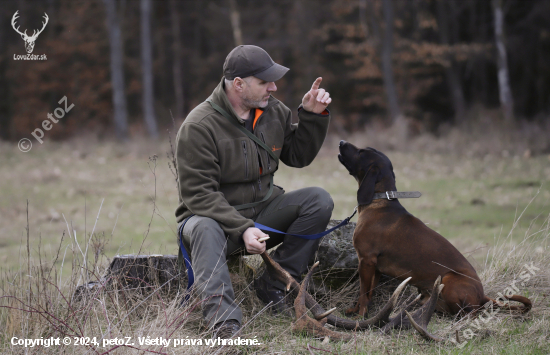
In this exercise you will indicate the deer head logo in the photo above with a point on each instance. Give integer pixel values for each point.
(29, 40)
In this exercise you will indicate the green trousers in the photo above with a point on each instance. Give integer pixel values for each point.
(304, 211)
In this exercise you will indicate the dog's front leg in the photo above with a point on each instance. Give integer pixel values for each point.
(368, 279)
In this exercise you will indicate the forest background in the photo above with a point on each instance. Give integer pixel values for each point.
(129, 66)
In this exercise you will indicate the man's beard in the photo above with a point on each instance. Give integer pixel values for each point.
(250, 103)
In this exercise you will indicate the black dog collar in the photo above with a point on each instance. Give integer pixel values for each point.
(391, 195)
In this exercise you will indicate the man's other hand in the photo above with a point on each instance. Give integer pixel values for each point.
(250, 237)
(316, 100)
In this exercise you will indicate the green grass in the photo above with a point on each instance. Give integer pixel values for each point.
(474, 202)
(470, 201)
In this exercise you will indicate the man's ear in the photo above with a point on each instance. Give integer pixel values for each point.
(238, 84)
(366, 189)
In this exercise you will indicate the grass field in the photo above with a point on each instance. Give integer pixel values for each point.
(84, 185)
(469, 201)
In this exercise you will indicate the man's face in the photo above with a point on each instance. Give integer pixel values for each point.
(256, 92)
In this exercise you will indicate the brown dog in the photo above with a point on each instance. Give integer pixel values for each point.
(391, 241)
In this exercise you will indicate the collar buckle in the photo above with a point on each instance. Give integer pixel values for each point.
(390, 195)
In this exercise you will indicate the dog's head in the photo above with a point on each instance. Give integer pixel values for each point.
(372, 170)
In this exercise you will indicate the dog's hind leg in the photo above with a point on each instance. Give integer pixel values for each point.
(461, 295)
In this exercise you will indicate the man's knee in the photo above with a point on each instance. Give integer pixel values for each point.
(202, 228)
(322, 201)
(206, 224)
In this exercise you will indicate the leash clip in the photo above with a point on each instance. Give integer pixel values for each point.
(353, 214)
(392, 193)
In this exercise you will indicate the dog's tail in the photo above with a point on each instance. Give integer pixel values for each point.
(527, 305)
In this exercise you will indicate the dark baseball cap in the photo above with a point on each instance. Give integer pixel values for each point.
(246, 60)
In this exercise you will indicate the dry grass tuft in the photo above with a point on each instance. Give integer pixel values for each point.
(36, 303)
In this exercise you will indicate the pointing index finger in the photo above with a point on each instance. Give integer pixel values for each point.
(316, 83)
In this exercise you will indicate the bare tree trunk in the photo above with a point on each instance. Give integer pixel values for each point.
(304, 58)
(385, 47)
(236, 23)
(506, 100)
(453, 79)
(117, 70)
(363, 17)
(373, 37)
(176, 66)
(387, 70)
(483, 33)
(147, 69)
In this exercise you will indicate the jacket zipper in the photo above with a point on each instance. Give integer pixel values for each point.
(253, 198)
(266, 153)
(245, 160)
(260, 166)
(246, 174)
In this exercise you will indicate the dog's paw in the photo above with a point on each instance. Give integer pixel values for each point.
(363, 313)
(352, 311)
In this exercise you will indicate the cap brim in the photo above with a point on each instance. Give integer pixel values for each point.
(273, 73)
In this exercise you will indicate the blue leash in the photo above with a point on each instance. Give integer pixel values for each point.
(310, 236)
(187, 260)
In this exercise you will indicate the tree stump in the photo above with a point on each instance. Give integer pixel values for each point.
(337, 257)
(139, 273)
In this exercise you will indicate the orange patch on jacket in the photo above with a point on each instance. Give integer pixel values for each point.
(257, 115)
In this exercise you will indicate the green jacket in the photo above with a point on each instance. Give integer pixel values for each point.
(219, 166)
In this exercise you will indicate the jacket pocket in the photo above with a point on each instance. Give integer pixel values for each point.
(245, 160)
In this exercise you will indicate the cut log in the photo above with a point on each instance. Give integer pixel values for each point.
(336, 250)
(337, 258)
(138, 272)
(337, 264)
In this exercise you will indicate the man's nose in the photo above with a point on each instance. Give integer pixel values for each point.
(272, 87)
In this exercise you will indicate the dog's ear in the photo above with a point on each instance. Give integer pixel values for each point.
(392, 173)
(366, 189)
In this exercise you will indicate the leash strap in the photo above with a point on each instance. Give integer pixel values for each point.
(311, 236)
(390, 195)
(187, 261)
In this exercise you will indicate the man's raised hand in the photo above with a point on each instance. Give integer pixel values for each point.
(316, 100)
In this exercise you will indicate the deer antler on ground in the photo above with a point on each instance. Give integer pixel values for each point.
(305, 302)
(419, 319)
(309, 325)
(422, 317)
